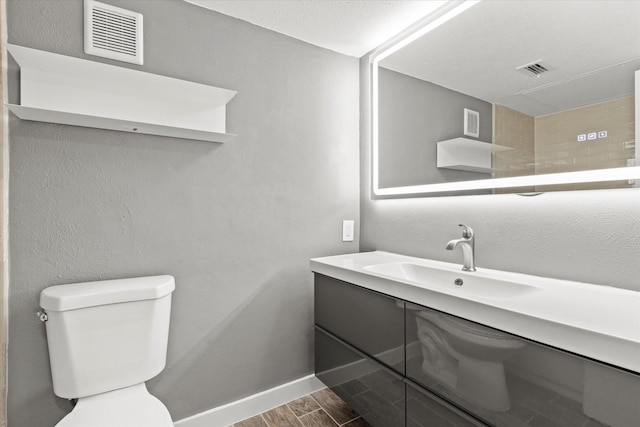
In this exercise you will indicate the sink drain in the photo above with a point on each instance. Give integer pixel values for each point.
(458, 282)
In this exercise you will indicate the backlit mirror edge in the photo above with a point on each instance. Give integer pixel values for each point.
(440, 16)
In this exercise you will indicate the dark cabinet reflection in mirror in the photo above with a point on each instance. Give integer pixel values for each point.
(449, 371)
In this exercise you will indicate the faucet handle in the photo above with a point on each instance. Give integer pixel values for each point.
(467, 232)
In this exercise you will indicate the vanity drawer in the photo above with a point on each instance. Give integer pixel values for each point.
(424, 409)
(370, 321)
(509, 381)
(374, 391)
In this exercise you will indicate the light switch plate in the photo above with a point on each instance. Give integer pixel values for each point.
(348, 227)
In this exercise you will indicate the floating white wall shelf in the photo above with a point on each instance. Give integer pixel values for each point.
(466, 154)
(61, 89)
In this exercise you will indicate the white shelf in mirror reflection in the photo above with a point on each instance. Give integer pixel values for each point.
(66, 90)
(467, 154)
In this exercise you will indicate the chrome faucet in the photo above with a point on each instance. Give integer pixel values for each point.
(468, 243)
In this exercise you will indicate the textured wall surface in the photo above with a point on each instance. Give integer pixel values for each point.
(235, 224)
(589, 236)
(4, 219)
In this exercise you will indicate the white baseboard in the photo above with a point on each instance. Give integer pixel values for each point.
(239, 410)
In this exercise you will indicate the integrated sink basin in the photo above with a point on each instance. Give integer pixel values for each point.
(456, 281)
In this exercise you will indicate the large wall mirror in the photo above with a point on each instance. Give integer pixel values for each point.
(499, 96)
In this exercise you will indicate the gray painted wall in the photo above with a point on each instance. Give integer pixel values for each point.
(235, 224)
(413, 116)
(589, 236)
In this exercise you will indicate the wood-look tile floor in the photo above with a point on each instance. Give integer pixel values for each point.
(320, 409)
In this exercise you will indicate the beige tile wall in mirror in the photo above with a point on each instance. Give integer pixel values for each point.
(551, 143)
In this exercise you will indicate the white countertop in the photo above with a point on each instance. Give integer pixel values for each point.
(599, 322)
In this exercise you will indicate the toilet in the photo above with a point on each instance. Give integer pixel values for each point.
(105, 340)
(467, 357)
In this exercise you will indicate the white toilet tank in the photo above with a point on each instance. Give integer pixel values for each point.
(107, 335)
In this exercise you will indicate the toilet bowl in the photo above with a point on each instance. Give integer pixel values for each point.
(131, 406)
(105, 340)
(467, 357)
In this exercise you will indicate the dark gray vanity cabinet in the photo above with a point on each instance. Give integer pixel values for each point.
(402, 364)
(540, 385)
(370, 388)
(370, 321)
(425, 409)
(360, 355)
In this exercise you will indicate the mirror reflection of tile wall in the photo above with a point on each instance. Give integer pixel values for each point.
(550, 144)
(515, 130)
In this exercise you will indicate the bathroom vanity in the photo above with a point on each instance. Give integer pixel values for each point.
(413, 342)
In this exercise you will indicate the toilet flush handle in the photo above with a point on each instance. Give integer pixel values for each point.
(42, 315)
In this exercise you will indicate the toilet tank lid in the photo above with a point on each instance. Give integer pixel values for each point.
(89, 294)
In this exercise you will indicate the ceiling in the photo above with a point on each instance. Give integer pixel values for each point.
(591, 48)
(349, 27)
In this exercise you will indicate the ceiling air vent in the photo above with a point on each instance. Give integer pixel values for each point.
(534, 69)
(112, 32)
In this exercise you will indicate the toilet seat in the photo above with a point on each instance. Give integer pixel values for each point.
(132, 406)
